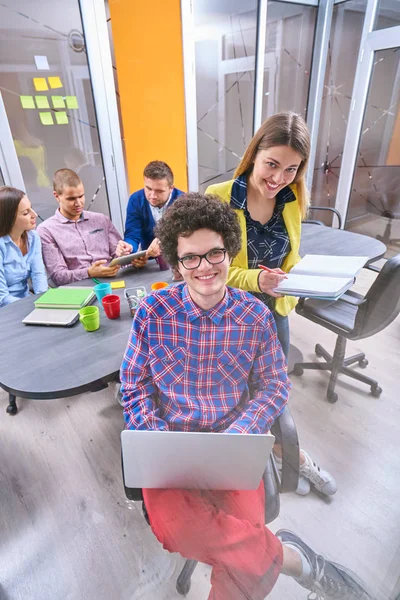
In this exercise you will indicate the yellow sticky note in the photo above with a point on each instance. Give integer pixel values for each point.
(46, 118)
(55, 82)
(62, 118)
(40, 84)
(116, 285)
(42, 102)
(72, 102)
(27, 102)
(58, 102)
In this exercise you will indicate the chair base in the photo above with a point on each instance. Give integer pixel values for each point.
(184, 579)
(339, 364)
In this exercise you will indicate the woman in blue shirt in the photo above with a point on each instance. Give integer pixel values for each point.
(20, 248)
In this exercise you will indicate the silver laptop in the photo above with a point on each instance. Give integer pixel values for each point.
(52, 316)
(186, 460)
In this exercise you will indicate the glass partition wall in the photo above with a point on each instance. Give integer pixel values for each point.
(54, 94)
(228, 48)
(48, 99)
(344, 43)
(225, 59)
(225, 50)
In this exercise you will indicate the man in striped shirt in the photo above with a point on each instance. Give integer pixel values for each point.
(205, 357)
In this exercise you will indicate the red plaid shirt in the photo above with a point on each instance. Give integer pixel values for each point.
(186, 369)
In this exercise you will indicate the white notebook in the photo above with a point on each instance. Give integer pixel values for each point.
(318, 276)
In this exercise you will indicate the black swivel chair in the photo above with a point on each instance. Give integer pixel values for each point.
(285, 432)
(353, 317)
(334, 211)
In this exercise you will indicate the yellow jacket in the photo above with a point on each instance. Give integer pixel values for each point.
(240, 276)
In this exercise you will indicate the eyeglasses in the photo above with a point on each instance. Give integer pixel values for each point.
(193, 261)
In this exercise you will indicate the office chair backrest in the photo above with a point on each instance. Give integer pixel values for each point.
(381, 303)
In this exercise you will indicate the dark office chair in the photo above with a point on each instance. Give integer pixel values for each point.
(334, 211)
(386, 238)
(353, 317)
(285, 432)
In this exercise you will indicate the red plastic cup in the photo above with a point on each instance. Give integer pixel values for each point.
(112, 306)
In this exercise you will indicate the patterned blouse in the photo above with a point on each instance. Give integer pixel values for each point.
(267, 244)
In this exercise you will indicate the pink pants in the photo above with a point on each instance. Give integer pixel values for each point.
(222, 529)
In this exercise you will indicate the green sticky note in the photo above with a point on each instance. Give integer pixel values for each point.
(62, 118)
(72, 102)
(42, 102)
(58, 102)
(46, 118)
(27, 102)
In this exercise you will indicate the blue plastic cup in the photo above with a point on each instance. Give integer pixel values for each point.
(101, 290)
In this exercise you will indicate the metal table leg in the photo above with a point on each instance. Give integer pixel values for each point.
(12, 408)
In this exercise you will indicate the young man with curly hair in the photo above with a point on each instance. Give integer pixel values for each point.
(173, 378)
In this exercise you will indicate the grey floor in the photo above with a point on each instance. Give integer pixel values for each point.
(67, 531)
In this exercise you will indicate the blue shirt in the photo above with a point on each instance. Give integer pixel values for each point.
(16, 269)
(139, 226)
(186, 369)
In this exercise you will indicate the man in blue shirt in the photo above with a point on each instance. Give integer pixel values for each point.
(147, 206)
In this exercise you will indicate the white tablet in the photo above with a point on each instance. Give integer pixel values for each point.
(126, 260)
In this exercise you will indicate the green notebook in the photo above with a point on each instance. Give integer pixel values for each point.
(65, 297)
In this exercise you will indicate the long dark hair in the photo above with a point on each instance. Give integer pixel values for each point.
(9, 201)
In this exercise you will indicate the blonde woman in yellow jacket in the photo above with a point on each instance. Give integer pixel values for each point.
(270, 198)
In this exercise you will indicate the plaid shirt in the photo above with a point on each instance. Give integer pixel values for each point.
(186, 369)
(267, 244)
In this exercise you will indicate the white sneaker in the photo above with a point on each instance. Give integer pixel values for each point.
(303, 487)
(320, 479)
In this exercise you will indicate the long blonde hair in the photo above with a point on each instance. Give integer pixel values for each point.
(282, 129)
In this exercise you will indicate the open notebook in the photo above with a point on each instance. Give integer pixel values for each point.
(318, 276)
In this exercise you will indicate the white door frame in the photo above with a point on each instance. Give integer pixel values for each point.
(9, 163)
(94, 22)
(371, 42)
(318, 70)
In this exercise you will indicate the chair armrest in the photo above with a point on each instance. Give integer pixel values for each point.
(373, 268)
(271, 483)
(329, 209)
(130, 493)
(352, 298)
(314, 222)
(285, 431)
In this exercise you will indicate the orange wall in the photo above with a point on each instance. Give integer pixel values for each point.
(148, 51)
(393, 157)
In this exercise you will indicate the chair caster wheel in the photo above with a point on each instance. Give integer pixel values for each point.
(332, 397)
(184, 589)
(318, 349)
(11, 410)
(376, 391)
(363, 363)
(298, 370)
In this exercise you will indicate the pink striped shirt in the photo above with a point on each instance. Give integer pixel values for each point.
(71, 247)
